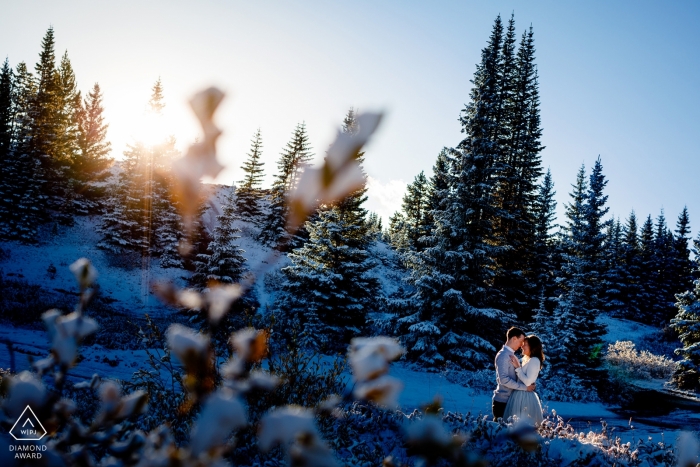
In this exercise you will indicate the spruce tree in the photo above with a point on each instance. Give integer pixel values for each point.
(544, 263)
(328, 288)
(21, 183)
(249, 194)
(580, 279)
(46, 114)
(412, 224)
(649, 272)
(6, 110)
(682, 271)
(614, 275)
(91, 161)
(594, 233)
(687, 324)
(517, 187)
(223, 262)
(295, 156)
(631, 261)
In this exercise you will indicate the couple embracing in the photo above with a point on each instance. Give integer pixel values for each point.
(515, 393)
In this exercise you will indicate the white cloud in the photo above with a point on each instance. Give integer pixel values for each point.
(384, 198)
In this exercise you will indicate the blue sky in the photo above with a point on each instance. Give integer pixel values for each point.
(617, 79)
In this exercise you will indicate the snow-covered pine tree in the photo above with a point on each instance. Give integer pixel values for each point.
(166, 224)
(293, 159)
(451, 320)
(21, 182)
(127, 207)
(6, 110)
(223, 262)
(411, 223)
(6, 120)
(614, 275)
(66, 142)
(140, 213)
(328, 290)
(649, 273)
(545, 248)
(91, 162)
(249, 193)
(520, 169)
(46, 121)
(687, 324)
(631, 261)
(594, 232)
(471, 211)
(580, 276)
(667, 286)
(683, 265)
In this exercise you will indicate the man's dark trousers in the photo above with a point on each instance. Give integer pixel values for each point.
(498, 408)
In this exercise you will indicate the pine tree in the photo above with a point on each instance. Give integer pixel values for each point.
(21, 183)
(592, 241)
(614, 275)
(582, 263)
(66, 142)
(127, 207)
(687, 324)
(328, 289)
(412, 224)
(167, 225)
(649, 272)
(450, 318)
(544, 250)
(471, 212)
(91, 162)
(682, 271)
(6, 110)
(223, 262)
(518, 175)
(249, 194)
(631, 261)
(293, 159)
(46, 115)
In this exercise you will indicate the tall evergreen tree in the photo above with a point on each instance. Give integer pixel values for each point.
(687, 324)
(649, 273)
(614, 274)
(21, 183)
(581, 280)
(411, 224)
(328, 288)
(223, 262)
(544, 263)
(140, 211)
(295, 156)
(91, 161)
(517, 188)
(631, 260)
(46, 114)
(6, 110)
(453, 276)
(682, 265)
(249, 194)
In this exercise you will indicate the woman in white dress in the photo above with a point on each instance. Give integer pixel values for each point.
(526, 404)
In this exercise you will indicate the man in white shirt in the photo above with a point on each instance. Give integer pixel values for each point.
(506, 378)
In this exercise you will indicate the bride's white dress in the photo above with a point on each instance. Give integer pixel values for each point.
(526, 404)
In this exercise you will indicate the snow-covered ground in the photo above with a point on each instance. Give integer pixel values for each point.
(129, 291)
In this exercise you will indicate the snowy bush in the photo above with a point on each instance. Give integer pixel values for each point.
(623, 359)
(565, 388)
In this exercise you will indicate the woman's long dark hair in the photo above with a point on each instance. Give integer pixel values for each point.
(535, 348)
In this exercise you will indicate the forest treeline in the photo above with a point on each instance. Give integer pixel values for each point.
(478, 238)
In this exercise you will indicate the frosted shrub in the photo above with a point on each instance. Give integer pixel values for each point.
(623, 358)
